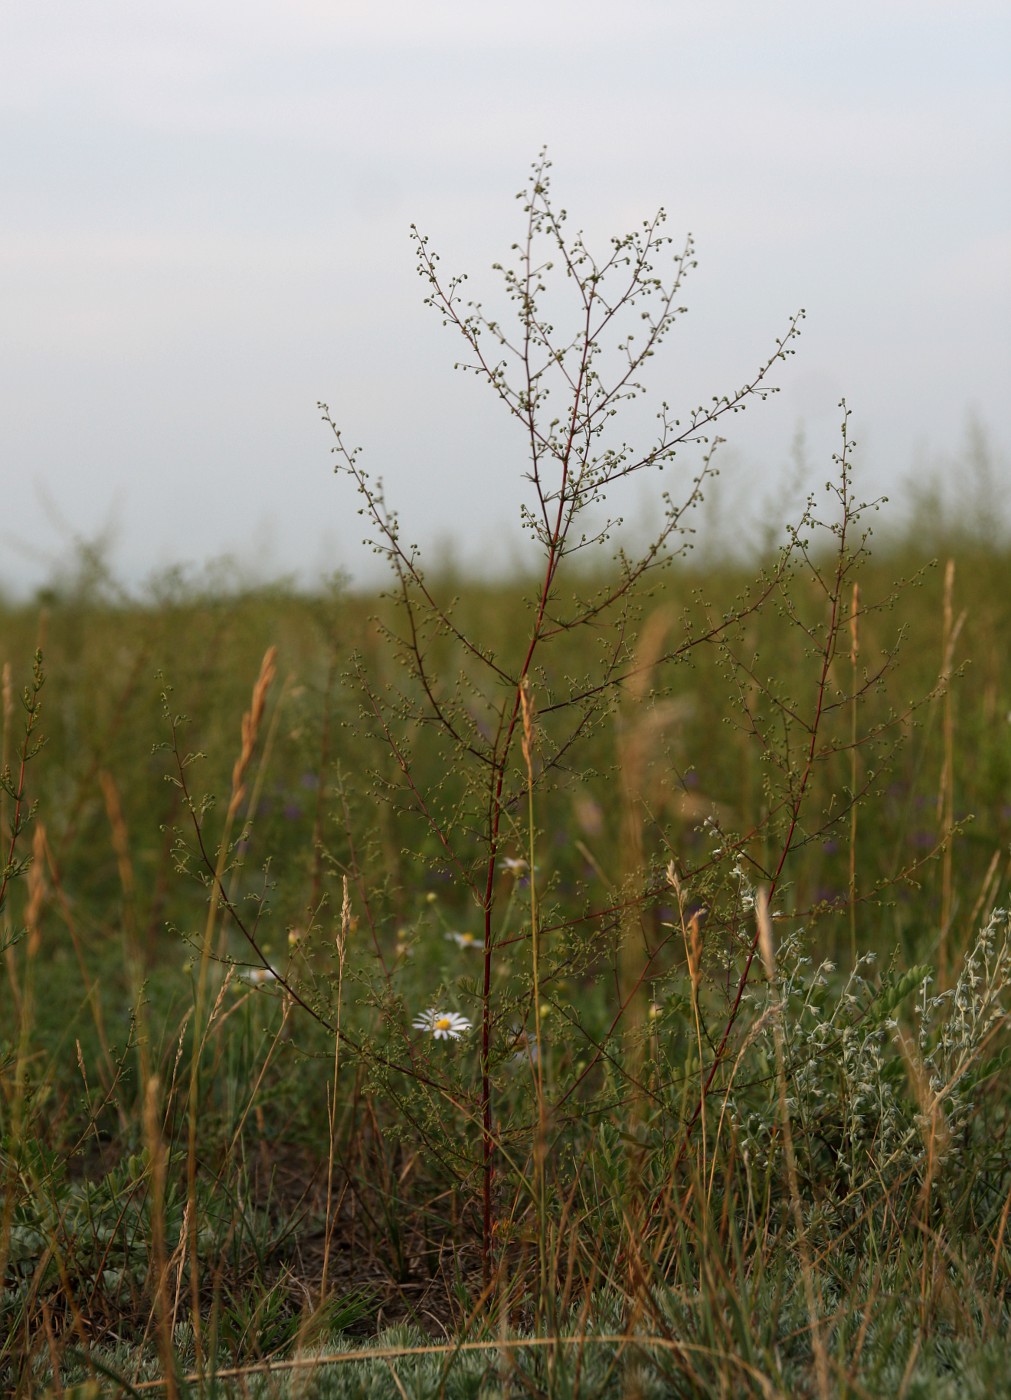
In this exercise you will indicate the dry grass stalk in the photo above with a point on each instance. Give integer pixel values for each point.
(936, 1141)
(529, 743)
(691, 933)
(641, 729)
(7, 685)
(767, 950)
(124, 864)
(36, 890)
(343, 934)
(540, 1144)
(251, 722)
(854, 734)
(159, 1277)
(988, 890)
(946, 791)
(7, 690)
(64, 904)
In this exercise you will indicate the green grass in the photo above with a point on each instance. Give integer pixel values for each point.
(589, 985)
(692, 1242)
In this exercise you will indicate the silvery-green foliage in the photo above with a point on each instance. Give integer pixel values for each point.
(587, 1363)
(871, 1105)
(958, 1028)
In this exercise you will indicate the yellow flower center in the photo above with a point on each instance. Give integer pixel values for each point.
(443, 1023)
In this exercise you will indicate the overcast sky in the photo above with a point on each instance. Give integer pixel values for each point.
(205, 216)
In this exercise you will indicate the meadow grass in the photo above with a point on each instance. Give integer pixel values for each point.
(837, 1218)
(593, 984)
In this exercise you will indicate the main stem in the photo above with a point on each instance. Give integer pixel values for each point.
(504, 740)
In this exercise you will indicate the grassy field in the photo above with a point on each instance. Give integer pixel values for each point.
(594, 985)
(680, 1142)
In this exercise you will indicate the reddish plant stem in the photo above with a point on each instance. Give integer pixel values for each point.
(555, 551)
(828, 655)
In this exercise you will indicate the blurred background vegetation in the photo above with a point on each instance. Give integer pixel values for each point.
(124, 904)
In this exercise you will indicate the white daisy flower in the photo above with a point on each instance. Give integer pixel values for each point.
(442, 1025)
(514, 865)
(464, 940)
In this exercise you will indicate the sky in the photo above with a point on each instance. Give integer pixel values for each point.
(206, 213)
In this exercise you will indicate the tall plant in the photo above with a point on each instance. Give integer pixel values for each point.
(565, 366)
